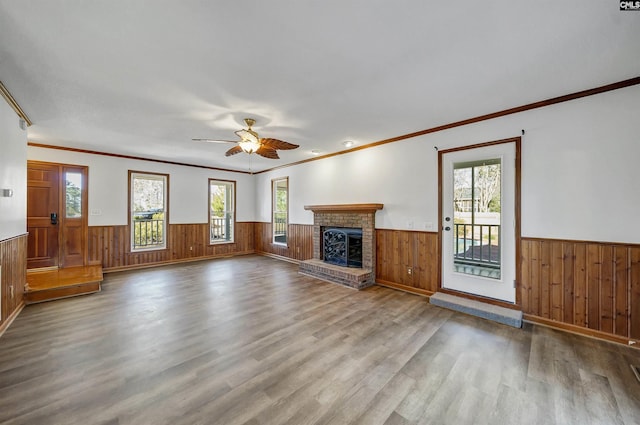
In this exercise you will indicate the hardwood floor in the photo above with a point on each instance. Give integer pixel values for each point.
(248, 340)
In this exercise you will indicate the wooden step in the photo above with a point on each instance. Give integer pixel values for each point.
(50, 285)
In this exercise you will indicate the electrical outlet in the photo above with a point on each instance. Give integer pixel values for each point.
(11, 291)
(409, 271)
(190, 248)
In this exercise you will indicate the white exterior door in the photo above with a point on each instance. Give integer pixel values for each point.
(478, 227)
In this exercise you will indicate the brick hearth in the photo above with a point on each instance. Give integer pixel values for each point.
(349, 215)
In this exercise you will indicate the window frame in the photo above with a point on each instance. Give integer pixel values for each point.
(133, 174)
(233, 185)
(274, 182)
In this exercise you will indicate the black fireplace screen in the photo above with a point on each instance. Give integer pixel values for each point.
(343, 246)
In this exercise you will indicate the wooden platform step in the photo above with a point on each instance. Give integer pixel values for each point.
(62, 283)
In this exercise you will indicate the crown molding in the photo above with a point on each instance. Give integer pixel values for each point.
(543, 103)
(138, 158)
(548, 102)
(12, 102)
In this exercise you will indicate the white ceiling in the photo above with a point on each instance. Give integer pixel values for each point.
(142, 77)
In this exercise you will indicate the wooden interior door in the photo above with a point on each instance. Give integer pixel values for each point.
(56, 215)
(43, 202)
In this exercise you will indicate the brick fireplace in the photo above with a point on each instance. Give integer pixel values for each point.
(355, 216)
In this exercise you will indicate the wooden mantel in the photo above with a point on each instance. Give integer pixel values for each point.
(338, 208)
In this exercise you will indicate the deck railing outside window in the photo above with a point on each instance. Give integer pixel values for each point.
(221, 228)
(477, 244)
(280, 226)
(148, 233)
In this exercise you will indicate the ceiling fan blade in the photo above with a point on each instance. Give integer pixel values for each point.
(267, 152)
(234, 150)
(277, 144)
(214, 141)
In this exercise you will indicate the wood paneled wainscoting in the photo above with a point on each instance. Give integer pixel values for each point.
(396, 251)
(13, 272)
(109, 246)
(299, 241)
(591, 288)
(407, 260)
(587, 287)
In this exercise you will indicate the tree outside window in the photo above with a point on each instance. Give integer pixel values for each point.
(73, 194)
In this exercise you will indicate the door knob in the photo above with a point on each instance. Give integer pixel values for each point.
(54, 218)
(447, 228)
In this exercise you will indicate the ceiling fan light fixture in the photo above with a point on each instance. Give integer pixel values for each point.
(250, 143)
(248, 136)
(249, 140)
(249, 146)
(348, 143)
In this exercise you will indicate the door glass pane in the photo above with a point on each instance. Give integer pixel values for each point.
(476, 218)
(73, 194)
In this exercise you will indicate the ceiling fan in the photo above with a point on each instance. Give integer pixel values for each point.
(250, 142)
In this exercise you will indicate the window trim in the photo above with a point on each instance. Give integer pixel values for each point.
(165, 245)
(233, 233)
(273, 211)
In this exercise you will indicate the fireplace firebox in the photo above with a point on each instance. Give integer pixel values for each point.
(342, 246)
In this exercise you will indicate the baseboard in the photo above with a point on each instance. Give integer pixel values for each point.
(278, 257)
(11, 318)
(579, 330)
(170, 262)
(405, 288)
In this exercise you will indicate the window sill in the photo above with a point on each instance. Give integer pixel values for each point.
(140, 250)
(220, 243)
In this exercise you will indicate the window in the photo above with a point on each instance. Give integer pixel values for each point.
(280, 208)
(221, 210)
(476, 217)
(148, 210)
(73, 194)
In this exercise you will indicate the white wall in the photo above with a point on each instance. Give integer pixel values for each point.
(580, 177)
(13, 174)
(188, 187)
